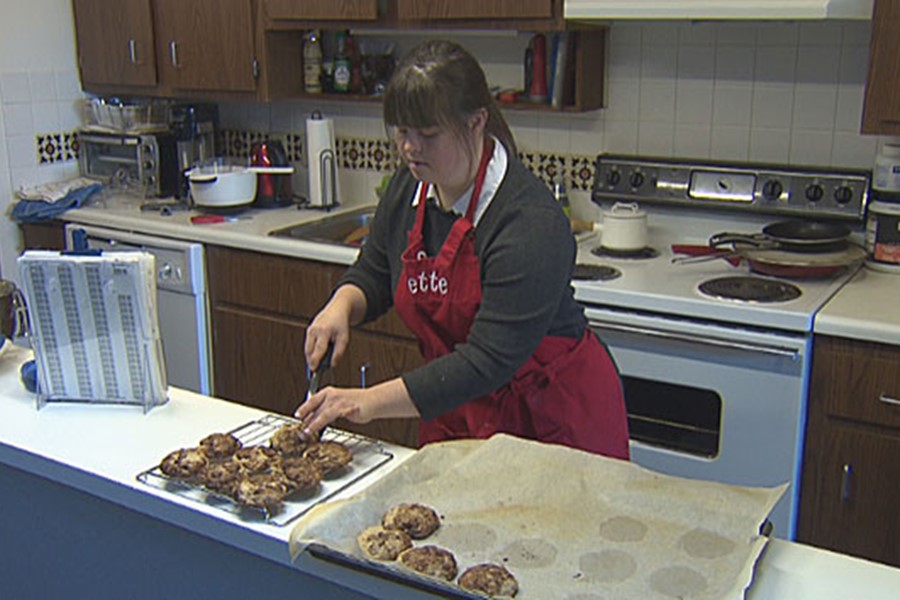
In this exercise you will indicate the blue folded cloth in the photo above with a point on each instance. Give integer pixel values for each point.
(36, 211)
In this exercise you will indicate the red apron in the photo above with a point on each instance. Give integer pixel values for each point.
(568, 392)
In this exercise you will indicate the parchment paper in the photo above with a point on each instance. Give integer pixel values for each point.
(568, 524)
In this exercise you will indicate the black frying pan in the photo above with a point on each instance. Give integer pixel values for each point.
(790, 236)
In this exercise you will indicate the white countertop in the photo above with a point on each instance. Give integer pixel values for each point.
(100, 449)
(866, 309)
(250, 232)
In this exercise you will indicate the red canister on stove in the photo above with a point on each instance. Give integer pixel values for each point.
(272, 190)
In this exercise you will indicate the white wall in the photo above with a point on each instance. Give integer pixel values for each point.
(39, 90)
(780, 92)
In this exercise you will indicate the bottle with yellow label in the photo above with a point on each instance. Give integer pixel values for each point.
(312, 63)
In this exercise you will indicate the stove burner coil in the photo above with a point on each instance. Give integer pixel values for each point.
(751, 289)
(585, 272)
(639, 254)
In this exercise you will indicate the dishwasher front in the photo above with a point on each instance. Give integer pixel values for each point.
(182, 300)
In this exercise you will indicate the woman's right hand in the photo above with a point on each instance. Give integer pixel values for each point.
(332, 326)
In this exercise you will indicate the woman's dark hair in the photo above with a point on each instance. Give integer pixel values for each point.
(440, 83)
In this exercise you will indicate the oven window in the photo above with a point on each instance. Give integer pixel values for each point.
(672, 416)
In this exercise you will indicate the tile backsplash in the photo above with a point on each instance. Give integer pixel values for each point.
(780, 92)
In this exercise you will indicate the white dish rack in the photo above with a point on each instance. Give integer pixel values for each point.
(93, 327)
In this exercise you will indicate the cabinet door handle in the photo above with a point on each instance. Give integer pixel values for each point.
(363, 372)
(132, 51)
(846, 471)
(173, 53)
(889, 399)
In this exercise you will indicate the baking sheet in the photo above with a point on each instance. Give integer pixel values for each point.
(368, 455)
(566, 523)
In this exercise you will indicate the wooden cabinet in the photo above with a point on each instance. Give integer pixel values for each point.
(851, 472)
(323, 10)
(43, 236)
(115, 42)
(489, 14)
(260, 307)
(170, 47)
(881, 109)
(207, 44)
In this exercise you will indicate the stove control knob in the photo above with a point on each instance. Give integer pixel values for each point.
(613, 178)
(814, 192)
(843, 195)
(636, 180)
(772, 190)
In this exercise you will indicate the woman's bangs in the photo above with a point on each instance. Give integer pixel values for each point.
(414, 102)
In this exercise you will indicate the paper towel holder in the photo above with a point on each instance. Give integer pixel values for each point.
(325, 196)
(328, 181)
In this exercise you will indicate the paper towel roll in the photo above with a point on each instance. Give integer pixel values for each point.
(322, 161)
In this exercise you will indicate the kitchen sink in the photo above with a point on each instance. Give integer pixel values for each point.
(348, 228)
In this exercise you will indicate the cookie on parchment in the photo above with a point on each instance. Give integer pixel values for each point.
(379, 543)
(430, 560)
(418, 520)
(489, 579)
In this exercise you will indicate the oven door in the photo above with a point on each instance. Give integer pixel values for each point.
(712, 401)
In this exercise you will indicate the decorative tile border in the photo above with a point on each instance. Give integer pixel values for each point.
(358, 154)
(55, 148)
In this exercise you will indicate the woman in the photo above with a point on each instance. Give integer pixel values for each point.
(476, 257)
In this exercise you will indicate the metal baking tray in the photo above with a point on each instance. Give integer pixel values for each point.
(368, 455)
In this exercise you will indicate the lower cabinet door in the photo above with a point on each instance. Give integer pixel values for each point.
(850, 499)
(372, 359)
(258, 359)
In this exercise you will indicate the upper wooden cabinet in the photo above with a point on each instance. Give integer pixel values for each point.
(441, 10)
(206, 44)
(881, 111)
(167, 47)
(323, 10)
(415, 14)
(116, 45)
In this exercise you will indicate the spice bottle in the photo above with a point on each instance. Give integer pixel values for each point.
(312, 63)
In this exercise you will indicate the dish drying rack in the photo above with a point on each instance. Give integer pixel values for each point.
(368, 456)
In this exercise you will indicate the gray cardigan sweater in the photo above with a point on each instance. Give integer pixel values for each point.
(526, 252)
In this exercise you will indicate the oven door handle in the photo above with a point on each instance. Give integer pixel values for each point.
(697, 339)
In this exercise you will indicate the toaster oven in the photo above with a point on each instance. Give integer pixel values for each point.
(147, 162)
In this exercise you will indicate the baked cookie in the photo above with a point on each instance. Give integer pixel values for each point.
(418, 520)
(379, 543)
(222, 476)
(220, 445)
(301, 473)
(430, 560)
(490, 580)
(262, 490)
(185, 463)
(257, 459)
(289, 440)
(330, 456)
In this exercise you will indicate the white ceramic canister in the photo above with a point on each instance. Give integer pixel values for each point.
(883, 235)
(624, 227)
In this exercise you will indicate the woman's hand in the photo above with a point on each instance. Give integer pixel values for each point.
(358, 405)
(332, 325)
